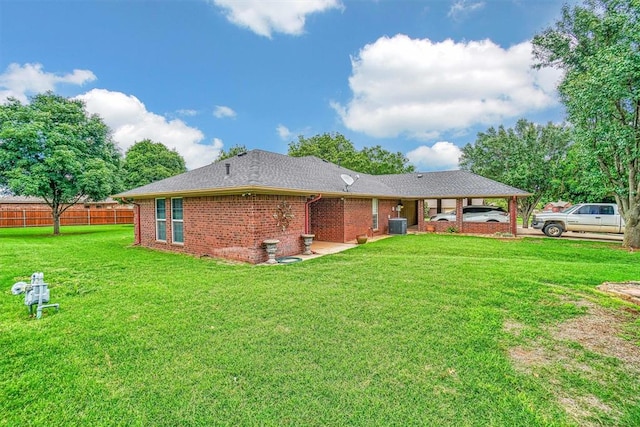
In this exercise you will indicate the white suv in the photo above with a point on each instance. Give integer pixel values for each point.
(475, 213)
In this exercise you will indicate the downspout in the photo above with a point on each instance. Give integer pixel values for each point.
(306, 212)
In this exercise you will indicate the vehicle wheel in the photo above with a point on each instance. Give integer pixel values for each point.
(443, 219)
(553, 230)
(492, 220)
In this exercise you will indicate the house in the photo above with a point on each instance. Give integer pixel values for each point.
(228, 208)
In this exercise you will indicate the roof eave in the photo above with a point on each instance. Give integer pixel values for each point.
(299, 192)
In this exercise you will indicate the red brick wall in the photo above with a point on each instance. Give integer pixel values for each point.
(471, 227)
(341, 219)
(327, 220)
(231, 227)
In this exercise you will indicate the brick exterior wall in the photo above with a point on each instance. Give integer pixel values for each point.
(234, 227)
(326, 220)
(341, 220)
(231, 227)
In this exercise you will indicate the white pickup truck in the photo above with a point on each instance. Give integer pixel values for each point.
(589, 217)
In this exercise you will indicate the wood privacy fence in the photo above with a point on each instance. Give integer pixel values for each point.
(38, 217)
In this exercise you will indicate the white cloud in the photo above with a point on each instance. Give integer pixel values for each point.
(461, 8)
(284, 132)
(222, 111)
(130, 122)
(187, 113)
(442, 155)
(420, 88)
(21, 81)
(266, 17)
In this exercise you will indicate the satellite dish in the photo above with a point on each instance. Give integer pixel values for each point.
(347, 179)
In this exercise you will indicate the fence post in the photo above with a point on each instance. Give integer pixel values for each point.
(24, 218)
(89, 216)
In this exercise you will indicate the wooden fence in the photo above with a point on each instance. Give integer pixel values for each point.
(13, 218)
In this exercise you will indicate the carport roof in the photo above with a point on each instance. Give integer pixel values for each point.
(261, 171)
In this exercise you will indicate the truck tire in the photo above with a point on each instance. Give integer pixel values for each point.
(553, 229)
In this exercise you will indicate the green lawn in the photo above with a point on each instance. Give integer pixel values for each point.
(411, 330)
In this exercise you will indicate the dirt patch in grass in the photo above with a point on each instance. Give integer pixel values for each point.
(598, 331)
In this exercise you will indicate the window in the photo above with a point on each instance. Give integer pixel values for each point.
(606, 210)
(177, 224)
(374, 213)
(161, 220)
(590, 210)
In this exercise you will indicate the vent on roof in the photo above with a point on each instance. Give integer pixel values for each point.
(244, 153)
(228, 167)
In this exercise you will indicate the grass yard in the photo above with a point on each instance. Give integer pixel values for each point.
(411, 330)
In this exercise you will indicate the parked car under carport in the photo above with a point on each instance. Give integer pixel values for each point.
(475, 213)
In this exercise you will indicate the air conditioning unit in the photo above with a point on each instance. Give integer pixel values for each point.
(397, 225)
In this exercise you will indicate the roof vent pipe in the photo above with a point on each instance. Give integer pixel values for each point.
(228, 166)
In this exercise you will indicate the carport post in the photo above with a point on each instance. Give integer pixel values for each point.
(513, 215)
(459, 219)
(420, 209)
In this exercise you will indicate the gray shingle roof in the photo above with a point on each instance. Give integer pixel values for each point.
(263, 171)
(448, 184)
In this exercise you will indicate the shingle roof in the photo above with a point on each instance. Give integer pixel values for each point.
(448, 184)
(263, 171)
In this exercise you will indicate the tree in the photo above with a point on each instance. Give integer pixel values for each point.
(233, 151)
(147, 161)
(579, 180)
(378, 161)
(52, 149)
(335, 148)
(527, 157)
(596, 45)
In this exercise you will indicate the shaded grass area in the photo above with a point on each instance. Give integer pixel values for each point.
(403, 331)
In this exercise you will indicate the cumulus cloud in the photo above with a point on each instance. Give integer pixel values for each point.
(461, 9)
(222, 111)
(421, 88)
(21, 81)
(284, 132)
(130, 122)
(266, 17)
(442, 155)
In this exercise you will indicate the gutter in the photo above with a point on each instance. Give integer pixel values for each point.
(306, 212)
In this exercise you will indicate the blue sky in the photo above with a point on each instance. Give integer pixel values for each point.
(419, 77)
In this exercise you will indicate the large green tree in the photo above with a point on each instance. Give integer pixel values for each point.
(147, 161)
(597, 46)
(53, 149)
(337, 149)
(527, 156)
(579, 180)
